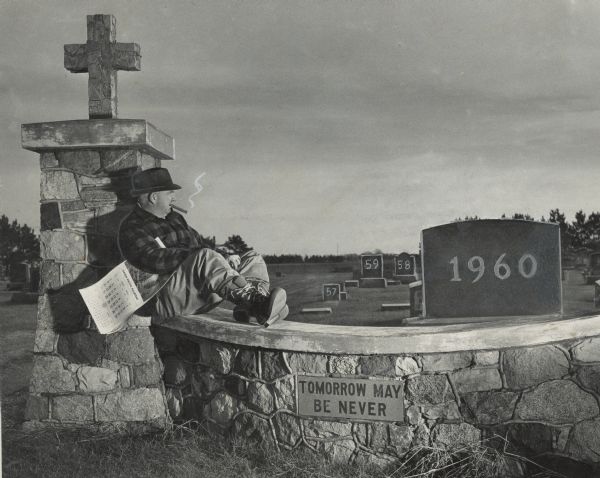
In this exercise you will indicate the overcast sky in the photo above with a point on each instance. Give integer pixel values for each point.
(326, 124)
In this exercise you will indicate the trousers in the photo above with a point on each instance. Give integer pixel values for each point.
(199, 283)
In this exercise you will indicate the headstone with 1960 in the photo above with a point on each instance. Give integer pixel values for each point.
(488, 268)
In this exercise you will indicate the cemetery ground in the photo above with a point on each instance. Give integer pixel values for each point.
(189, 450)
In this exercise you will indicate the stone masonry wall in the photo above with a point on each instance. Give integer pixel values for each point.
(81, 377)
(544, 399)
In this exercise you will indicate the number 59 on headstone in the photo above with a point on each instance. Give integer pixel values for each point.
(371, 265)
(331, 292)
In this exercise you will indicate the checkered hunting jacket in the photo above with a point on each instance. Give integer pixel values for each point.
(137, 241)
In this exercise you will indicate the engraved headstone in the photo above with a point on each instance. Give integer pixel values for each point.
(331, 292)
(371, 266)
(404, 265)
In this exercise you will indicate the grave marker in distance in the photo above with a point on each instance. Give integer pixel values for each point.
(487, 268)
(371, 266)
(404, 265)
(331, 292)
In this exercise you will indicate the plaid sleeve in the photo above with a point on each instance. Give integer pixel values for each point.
(140, 248)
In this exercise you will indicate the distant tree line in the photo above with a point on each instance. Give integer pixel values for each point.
(17, 243)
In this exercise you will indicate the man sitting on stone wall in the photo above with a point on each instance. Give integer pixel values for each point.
(156, 239)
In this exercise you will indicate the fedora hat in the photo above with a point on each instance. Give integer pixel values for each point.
(152, 180)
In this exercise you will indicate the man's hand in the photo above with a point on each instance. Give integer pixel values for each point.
(234, 261)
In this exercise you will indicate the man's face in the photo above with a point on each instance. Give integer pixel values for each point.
(164, 199)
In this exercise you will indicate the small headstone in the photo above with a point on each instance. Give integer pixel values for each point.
(404, 265)
(316, 310)
(331, 292)
(373, 283)
(371, 266)
(350, 283)
(416, 298)
(392, 307)
(597, 293)
(344, 295)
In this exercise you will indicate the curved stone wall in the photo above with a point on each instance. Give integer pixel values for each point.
(545, 398)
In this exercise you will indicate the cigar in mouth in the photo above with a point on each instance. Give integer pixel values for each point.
(177, 208)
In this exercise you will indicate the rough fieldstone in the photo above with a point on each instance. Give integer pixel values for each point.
(476, 379)
(443, 411)
(108, 218)
(558, 401)
(175, 372)
(79, 221)
(221, 408)
(452, 435)
(174, 401)
(49, 275)
(343, 364)
(253, 427)
(102, 250)
(93, 196)
(487, 358)
(589, 377)
(421, 435)
(96, 379)
(147, 374)
(587, 351)
(73, 408)
(82, 347)
(148, 162)
(45, 340)
(119, 159)
(124, 377)
(50, 217)
(429, 389)
(205, 383)
(235, 385)
(308, 363)
(273, 366)
(380, 365)
(413, 415)
(446, 362)
(401, 437)
(45, 318)
(94, 181)
(406, 366)
(82, 274)
(217, 356)
(77, 205)
(58, 185)
(62, 246)
(82, 161)
(48, 160)
(535, 437)
(50, 376)
(489, 408)
(285, 393)
(139, 321)
(324, 429)
(130, 346)
(561, 438)
(379, 436)
(339, 451)
(140, 404)
(36, 408)
(246, 363)
(287, 429)
(110, 364)
(260, 397)
(584, 444)
(526, 367)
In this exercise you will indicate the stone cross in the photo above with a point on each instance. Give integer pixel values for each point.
(101, 57)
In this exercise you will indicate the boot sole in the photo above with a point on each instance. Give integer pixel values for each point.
(278, 309)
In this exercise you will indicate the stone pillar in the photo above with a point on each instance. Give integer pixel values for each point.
(81, 377)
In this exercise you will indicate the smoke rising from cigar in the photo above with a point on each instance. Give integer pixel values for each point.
(198, 189)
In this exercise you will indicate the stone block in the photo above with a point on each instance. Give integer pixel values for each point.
(253, 428)
(273, 366)
(584, 443)
(134, 346)
(174, 402)
(48, 160)
(406, 366)
(57, 184)
(92, 196)
(526, 367)
(285, 393)
(429, 389)
(589, 377)
(327, 430)
(401, 437)
(49, 275)
(124, 376)
(367, 282)
(84, 347)
(246, 363)
(222, 408)
(114, 160)
(205, 383)
(535, 437)
(450, 435)
(80, 275)
(50, 217)
(446, 362)
(442, 411)
(413, 415)
(287, 429)
(73, 408)
(217, 356)
(79, 220)
(62, 246)
(83, 161)
(108, 218)
(557, 401)
(45, 318)
(260, 397)
(487, 358)
(380, 365)
(488, 408)
(149, 162)
(103, 250)
(308, 363)
(476, 379)
(36, 408)
(139, 321)
(147, 374)
(587, 351)
(140, 404)
(70, 206)
(45, 341)
(343, 364)
(49, 375)
(96, 379)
